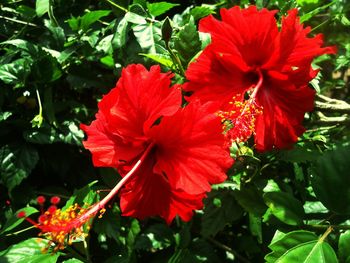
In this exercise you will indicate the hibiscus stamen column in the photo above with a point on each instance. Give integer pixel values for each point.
(100, 205)
(239, 120)
(61, 226)
(258, 85)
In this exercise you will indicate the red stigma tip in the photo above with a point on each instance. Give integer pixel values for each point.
(52, 209)
(41, 199)
(55, 200)
(21, 214)
(42, 219)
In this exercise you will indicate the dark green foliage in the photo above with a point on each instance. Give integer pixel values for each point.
(58, 58)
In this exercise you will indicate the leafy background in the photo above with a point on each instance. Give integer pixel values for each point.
(58, 57)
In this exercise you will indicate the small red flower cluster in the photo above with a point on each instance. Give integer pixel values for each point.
(251, 80)
(61, 227)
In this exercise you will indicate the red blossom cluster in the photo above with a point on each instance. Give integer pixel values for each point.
(252, 79)
(61, 227)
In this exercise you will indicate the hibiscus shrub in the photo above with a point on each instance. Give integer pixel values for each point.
(180, 131)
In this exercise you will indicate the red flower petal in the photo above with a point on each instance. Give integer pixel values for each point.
(190, 149)
(101, 142)
(139, 99)
(284, 107)
(150, 194)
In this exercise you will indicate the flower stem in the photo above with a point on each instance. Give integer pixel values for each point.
(97, 207)
(117, 6)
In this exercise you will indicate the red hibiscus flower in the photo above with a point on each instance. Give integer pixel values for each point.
(168, 156)
(182, 149)
(249, 55)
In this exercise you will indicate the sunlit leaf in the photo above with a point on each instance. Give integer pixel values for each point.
(29, 251)
(285, 207)
(159, 8)
(301, 246)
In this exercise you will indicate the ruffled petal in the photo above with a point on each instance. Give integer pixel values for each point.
(139, 99)
(100, 142)
(191, 150)
(150, 194)
(294, 46)
(284, 106)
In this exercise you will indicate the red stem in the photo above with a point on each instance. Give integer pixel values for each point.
(97, 207)
(258, 85)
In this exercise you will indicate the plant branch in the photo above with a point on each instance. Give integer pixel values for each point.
(323, 227)
(18, 21)
(117, 6)
(331, 120)
(326, 104)
(51, 14)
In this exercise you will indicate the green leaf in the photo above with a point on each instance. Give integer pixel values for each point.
(133, 233)
(314, 12)
(26, 11)
(105, 45)
(84, 22)
(65, 54)
(157, 236)
(187, 42)
(88, 19)
(198, 251)
(314, 207)
(204, 10)
(330, 179)
(5, 115)
(73, 260)
(301, 246)
(285, 207)
(307, 2)
(110, 225)
(22, 45)
(46, 68)
(42, 7)
(108, 61)
(120, 35)
(135, 18)
(29, 251)
(56, 32)
(159, 8)
(16, 73)
(16, 163)
(14, 221)
(299, 154)
(148, 35)
(251, 200)
(161, 59)
(83, 196)
(74, 23)
(220, 209)
(344, 247)
(255, 226)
